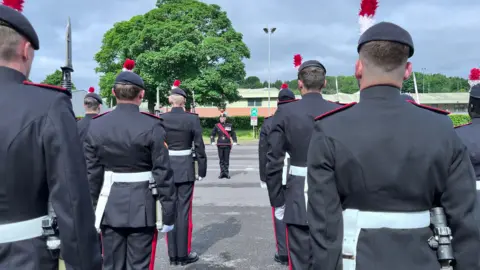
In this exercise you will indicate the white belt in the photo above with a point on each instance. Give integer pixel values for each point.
(180, 152)
(478, 185)
(108, 179)
(22, 230)
(355, 220)
(285, 168)
(301, 171)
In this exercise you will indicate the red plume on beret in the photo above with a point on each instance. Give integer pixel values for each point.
(297, 60)
(128, 65)
(368, 8)
(176, 84)
(474, 74)
(15, 4)
(284, 86)
(91, 90)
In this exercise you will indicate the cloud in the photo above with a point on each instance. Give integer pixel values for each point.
(445, 33)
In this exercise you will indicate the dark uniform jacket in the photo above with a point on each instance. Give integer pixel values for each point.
(41, 156)
(223, 139)
(126, 141)
(385, 154)
(263, 147)
(182, 129)
(83, 125)
(291, 130)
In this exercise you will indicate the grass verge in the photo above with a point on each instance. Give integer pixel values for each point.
(242, 136)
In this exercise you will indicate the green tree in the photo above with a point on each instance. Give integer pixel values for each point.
(251, 82)
(180, 39)
(55, 79)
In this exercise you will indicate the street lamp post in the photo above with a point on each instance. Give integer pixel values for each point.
(269, 32)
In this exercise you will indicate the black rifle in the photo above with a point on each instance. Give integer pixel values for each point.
(441, 241)
(194, 152)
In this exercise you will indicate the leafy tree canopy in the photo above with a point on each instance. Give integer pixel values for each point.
(426, 83)
(186, 40)
(56, 79)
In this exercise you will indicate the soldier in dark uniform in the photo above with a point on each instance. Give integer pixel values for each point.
(291, 129)
(470, 135)
(406, 97)
(285, 96)
(376, 168)
(41, 160)
(183, 129)
(226, 134)
(127, 161)
(92, 104)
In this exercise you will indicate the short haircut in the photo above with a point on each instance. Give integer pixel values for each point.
(177, 100)
(313, 78)
(126, 91)
(384, 56)
(91, 103)
(9, 42)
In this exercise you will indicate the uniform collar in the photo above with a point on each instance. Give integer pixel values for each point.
(90, 115)
(177, 110)
(9, 74)
(127, 107)
(380, 92)
(312, 95)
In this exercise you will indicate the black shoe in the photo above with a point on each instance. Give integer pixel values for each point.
(227, 176)
(191, 258)
(220, 176)
(281, 259)
(173, 261)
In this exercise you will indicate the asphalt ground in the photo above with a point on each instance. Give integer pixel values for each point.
(232, 218)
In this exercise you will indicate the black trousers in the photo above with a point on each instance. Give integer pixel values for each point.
(27, 254)
(280, 230)
(224, 157)
(129, 248)
(298, 242)
(179, 240)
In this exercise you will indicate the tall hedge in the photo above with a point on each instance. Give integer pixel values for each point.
(243, 122)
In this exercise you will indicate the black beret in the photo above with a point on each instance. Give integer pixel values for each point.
(95, 96)
(475, 91)
(17, 21)
(407, 97)
(128, 77)
(178, 91)
(311, 63)
(285, 94)
(386, 31)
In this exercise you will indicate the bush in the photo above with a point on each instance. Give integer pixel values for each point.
(459, 119)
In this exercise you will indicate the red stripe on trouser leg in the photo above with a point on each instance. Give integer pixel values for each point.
(190, 223)
(154, 250)
(274, 228)
(288, 251)
(166, 240)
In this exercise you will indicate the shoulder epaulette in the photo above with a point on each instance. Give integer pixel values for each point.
(339, 109)
(459, 126)
(98, 115)
(287, 101)
(152, 115)
(429, 108)
(51, 87)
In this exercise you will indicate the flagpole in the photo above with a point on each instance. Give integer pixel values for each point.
(416, 88)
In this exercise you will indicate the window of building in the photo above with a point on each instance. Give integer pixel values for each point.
(254, 102)
(460, 108)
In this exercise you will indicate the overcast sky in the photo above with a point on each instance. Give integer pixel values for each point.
(446, 33)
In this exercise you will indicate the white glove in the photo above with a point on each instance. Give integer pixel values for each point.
(263, 185)
(214, 143)
(235, 143)
(167, 228)
(199, 178)
(279, 212)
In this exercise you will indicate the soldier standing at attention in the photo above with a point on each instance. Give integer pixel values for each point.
(128, 163)
(92, 104)
(183, 129)
(470, 135)
(41, 160)
(285, 96)
(226, 134)
(363, 161)
(292, 126)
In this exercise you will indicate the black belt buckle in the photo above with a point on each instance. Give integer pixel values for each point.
(348, 257)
